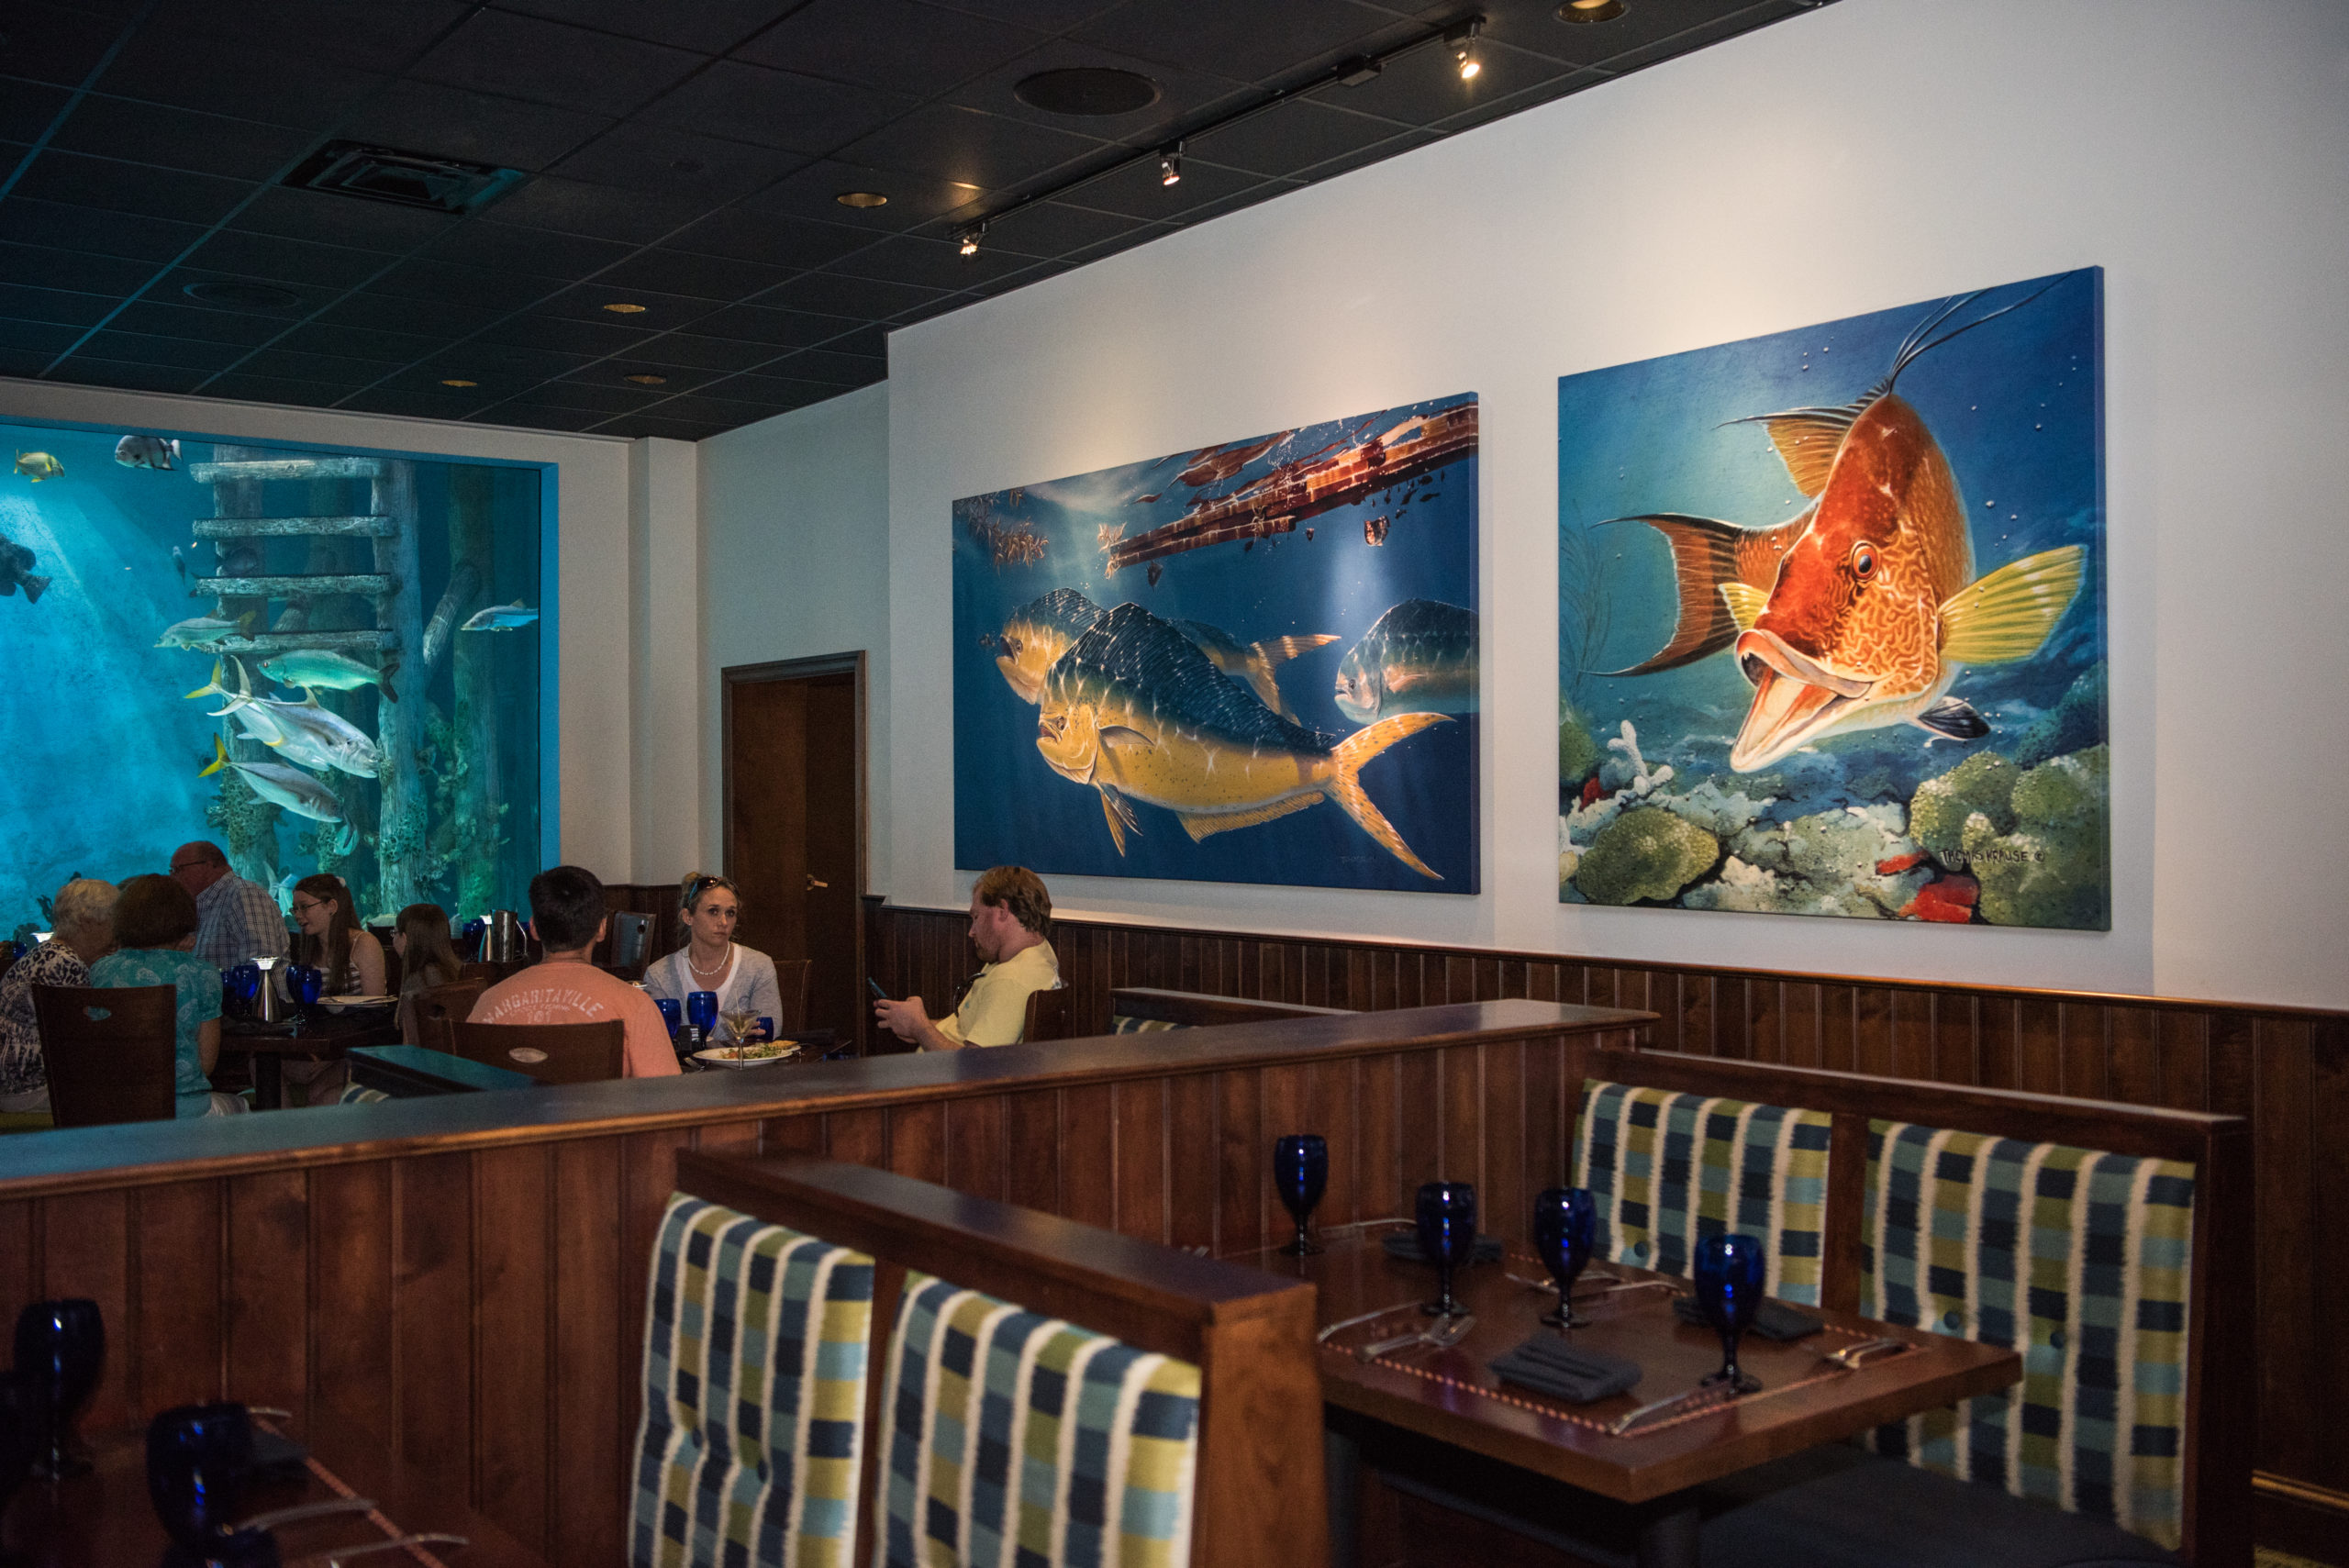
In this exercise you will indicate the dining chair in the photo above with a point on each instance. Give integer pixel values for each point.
(553, 1053)
(110, 1052)
(791, 990)
(437, 1007)
(750, 1447)
(1048, 1015)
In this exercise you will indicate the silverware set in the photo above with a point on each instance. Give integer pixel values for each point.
(1440, 1336)
(1851, 1358)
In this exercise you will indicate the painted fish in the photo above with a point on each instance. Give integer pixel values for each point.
(1253, 665)
(1134, 709)
(1859, 612)
(292, 788)
(1420, 657)
(15, 571)
(314, 668)
(501, 618)
(1036, 636)
(302, 732)
(147, 452)
(37, 466)
(203, 631)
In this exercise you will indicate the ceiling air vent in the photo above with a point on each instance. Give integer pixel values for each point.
(407, 179)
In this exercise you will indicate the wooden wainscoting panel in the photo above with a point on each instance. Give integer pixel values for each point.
(2294, 1428)
(354, 1386)
(1194, 1166)
(596, 1365)
(2327, 1131)
(83, 1254)
(1088, 1155)
(1032, 1135)
(1138, 1115)
(178, 1316)
(974, 1147)
(514, 1326)
(269, 1305)
(918, 1141)
(433, 1333)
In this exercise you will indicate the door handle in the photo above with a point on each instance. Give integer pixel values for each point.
(815, 881)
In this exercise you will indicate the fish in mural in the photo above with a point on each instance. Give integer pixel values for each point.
(1253, 665)
(147, 452)
(17, 572)
(292, 788)
(1036, 636)
(303, 732)
(203, 631)
(501, 618)
(1134, 709)
(316, 669)
(1420, 657)
(37, 466)
(1859, 612)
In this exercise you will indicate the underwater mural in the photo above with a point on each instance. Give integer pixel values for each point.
(1831, 621)
(299, 655)
(1256, 662)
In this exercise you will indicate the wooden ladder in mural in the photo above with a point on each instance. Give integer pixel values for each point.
(283, 605)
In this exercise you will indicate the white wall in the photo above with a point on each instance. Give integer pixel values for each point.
(795, 555)
(1871, 154)
(593, 489)
(664, 567)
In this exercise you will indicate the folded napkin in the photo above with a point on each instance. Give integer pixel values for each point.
(1405, 1244)
(1772, 1320)
(1566, 1370)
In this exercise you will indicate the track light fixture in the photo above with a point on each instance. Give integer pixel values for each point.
(971, 237)
(1587, 11)
(1463, 40)
(1170, 165)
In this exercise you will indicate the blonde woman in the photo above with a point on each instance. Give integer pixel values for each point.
(711, 959)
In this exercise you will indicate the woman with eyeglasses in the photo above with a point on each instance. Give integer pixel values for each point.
(711, 960)
(333, 940)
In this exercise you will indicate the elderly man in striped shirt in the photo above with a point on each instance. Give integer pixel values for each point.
(237, 921)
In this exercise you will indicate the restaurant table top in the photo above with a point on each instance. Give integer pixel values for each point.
(1450, 1394)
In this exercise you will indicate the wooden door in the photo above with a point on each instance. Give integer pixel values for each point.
(766, 815)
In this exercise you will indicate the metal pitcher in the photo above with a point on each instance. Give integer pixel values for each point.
(501, 940)
(268, 1007)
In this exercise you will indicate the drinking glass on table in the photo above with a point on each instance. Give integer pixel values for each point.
(701, 1009)
(740, 1021)
(1446, 1214)
(1300, 1175)
(673, 1013)
(1728, 1271)
(1565, 1223)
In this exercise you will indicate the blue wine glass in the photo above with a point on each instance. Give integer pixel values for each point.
(199, 1459)
(1729, 1272)
(673, 1013)
(701, 1010)
(1300, 1175)
(1447, 1221)
(764, 1026)
(1565, 1223)
(61, 1349)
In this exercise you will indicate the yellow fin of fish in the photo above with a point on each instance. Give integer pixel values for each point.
(1200, 827)
(1121, 815)
(1280, 649)
(1746, 604)
(1807, 441)
(2007, 614)
(219, 759)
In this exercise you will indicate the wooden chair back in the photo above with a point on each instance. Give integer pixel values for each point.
(1048, 1015)
(2219, 1385)
(438, 1008)
(1137, 1009)
(111, 1052)
(553, 1053)
(1258, 1496)
(791, 991)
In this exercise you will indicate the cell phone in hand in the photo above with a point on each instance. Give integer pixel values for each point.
(874, 987)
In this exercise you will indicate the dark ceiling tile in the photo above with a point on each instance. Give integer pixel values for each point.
(986, 150)
(413, 405)
(616, 376)
(41, 266)
(1255, 195)
(1424, 88)
(824, 365)
(720, 278)
(481, 128)
(1702, 22)
(27, 109)
(46, 338)
(146, 349)
(778, 241)
(696, 350)
(172, 316)
(777, 108)
(678, 164)
(532, 250)
(779, 391)
(720, 413)
(662, 312)
(292, 365)
(617, 398)
(81, 371)
(439, 318)
(1378, 152)
(287, 260)
(705, 27)
(1184, 97)
(87, 228)
(245, 387)
(56, 44)
(293, 301)
(181, 138)
(1247, 40)
(26, 363)
(830, 294)
(550, 63)
(895, 45)
(61, 305)
(812, 192)
(600, 212)
(781, 328)
(358, 343)
(1135, 192)
(635, 426)
(572, 420)
(569, 336)
(171, 62)
(128, 187)
(937, 307)
(488, 288)
(378, 36)
(932, 263)
(326, 219)
(1500, 108)
(1297, 135)
(1641, 26)
(1052, 229)
(871, 341)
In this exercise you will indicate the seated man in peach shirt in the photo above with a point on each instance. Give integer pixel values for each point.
(566, 987)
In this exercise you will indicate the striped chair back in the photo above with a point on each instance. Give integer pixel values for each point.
(1669, 1168)
(1010, 1438)
(750, 1450)
(2080, 1260)
(1126, 1023)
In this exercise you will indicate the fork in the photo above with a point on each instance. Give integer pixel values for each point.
(1442, 1338)
(1853, 1357)
(1697, 1396)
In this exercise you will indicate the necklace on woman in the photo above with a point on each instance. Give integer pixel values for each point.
(714, 970)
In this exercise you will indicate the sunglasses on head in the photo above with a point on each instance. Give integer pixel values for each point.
(702, 884)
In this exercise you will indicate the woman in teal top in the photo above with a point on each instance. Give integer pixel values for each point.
(154, 927)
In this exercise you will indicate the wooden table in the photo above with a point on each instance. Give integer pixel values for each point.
(1450, 1396)
(406, 1072)
(103, 1519)
(322, 1036)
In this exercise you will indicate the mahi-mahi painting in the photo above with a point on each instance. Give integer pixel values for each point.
(1253, 661)
(1831, 622)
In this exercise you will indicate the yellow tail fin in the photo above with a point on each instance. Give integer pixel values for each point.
(212, 686)
(219, 759)
(1347, 761)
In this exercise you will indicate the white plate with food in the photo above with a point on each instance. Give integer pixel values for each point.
(757, 1054)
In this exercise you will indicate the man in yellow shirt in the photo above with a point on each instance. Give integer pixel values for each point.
(1008, 911)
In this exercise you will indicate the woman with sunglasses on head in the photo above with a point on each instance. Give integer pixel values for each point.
(711, 960)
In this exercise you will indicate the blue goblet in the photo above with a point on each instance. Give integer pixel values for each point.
(1446, 1213)
(199, 1457)
(1566, 1222)
(61, 1349)
(1729, 1271)
(1300, 1175)
(309, 982)
(673, 1013)
(701, 1009)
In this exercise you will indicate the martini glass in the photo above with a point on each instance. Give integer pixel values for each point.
(739, 1022)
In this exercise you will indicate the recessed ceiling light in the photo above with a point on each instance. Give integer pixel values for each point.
(459, 381)
(647, 380)
(1086, 90)
(1590, 10)
(238, 296)
(618, 308)
(862, 199)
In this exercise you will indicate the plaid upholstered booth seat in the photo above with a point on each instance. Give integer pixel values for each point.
(1053, 1393)
(1140, 1009)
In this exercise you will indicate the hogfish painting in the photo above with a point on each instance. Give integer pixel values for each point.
(1855, 716)
(1157, 687)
